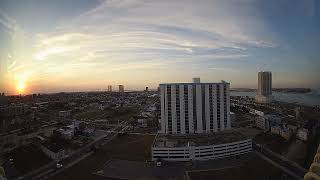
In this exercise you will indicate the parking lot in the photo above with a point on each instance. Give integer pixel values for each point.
(123, 169)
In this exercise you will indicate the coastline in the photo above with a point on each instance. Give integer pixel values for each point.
(311, 98)
(282, 90)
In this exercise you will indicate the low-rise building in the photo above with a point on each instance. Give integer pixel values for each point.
(292, 128)
(67, 132)
(64, 114)
(267, 120)
(275, 130)
(286, 133)
(14, 110)
(232, 117)
(256, 112)
(282, 130)
(302, 134)
(262, 123)
(142, 122)
(200, 147)
(52, 150)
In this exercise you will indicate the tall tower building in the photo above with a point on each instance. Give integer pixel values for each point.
(121, 88)
(109, 88)
(189, 108)
(264, 92)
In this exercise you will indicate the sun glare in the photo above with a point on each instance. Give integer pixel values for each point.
(20, 87)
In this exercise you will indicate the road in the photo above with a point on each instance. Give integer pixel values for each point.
(34, 126)
(45, 171)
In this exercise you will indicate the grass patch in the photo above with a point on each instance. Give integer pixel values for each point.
(131, 147)
(128, 147)
(28, 158)
(254, 168)
(274, 142)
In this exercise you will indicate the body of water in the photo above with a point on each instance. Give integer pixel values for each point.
(310, 99)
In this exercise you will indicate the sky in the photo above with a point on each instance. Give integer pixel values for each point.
(84, 45)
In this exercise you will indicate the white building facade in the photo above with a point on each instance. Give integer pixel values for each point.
(191, 108)
(191, 152)
(302, 134)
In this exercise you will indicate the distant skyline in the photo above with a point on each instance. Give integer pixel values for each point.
(81, 45)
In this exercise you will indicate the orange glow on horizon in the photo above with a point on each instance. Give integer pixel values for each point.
(20, 87)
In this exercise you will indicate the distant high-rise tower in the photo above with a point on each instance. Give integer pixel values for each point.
(297, 110)
(196, 80)
(109, 88)
(121, 88)
(264, 92)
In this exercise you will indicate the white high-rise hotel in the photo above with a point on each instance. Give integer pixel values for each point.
(188, 108)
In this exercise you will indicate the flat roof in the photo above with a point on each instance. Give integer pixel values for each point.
(190, 83)
(227, 136)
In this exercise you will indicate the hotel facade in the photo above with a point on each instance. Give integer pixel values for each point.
(195, 108)
(195, 123)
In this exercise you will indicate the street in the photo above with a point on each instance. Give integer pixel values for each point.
(45, 171)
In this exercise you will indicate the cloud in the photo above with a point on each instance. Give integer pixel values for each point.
(223, 69)
(12, 65)
(160, 28)
(8, 25)
(125, 35)
(52, 51)
(16, 68)
(137, 66)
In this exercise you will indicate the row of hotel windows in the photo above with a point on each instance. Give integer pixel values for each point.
(186, 107)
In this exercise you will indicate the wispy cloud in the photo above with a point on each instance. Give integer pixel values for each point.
(119, 36)
(8, 24)
(137, 66)
(44, 53)
(223, 69)
(132, 26)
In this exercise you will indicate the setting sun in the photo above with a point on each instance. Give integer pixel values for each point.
(20, 87)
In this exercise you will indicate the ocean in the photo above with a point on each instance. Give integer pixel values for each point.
(310, 99)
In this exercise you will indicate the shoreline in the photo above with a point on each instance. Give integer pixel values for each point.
(278, 90)
(307, 99)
